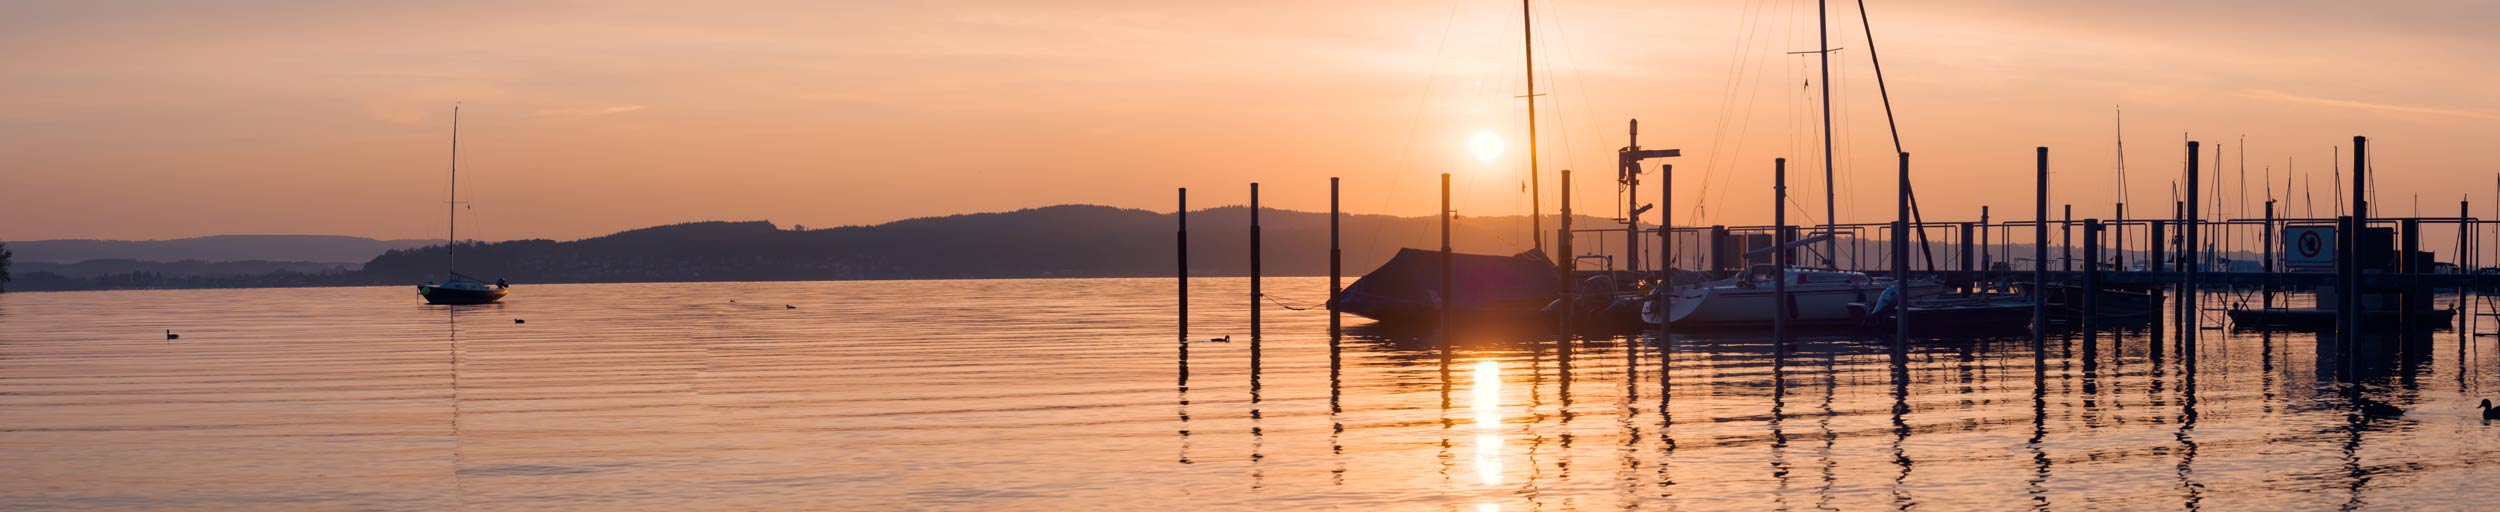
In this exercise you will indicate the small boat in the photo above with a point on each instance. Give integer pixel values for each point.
(460, 289)
(2066, 302)
(1407, 289)
(1746, 299)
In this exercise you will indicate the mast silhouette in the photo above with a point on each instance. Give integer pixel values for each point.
(451, 248)
(1536, 186)
(1831, 229)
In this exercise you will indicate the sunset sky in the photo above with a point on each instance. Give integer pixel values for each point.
(144, 120)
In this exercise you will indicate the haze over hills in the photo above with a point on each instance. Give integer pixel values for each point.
(290, 248)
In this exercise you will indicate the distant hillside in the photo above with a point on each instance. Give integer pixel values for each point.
(1058, 241)
(292, 248)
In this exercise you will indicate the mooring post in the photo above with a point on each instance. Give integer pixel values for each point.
(1336, 268)
(2409, 242)
(1901, 260)
(1568, 262)
(1779, 275)
(1255, 294)
(1181, 244)
(1449, 293)
(2091, 290)
(2268, 290)
(2195, 253)
(2040, 257)
(1987, 248)
(2157, 264)
(1666, 260)
(2118, 238)
(2066, 241)
(2352, 242)
(1969, 235)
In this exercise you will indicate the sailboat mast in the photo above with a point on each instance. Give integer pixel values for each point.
(1831, 229)
(1536, 186)
(451, 248)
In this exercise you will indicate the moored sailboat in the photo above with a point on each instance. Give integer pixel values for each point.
(459, 289)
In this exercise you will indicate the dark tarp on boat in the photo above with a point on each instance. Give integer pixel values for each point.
(1408, 287)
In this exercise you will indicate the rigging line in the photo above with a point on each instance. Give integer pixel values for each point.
(1562, 125)
(1415, 123)
(1894, 127)
(1743, 126)
(1748, 21)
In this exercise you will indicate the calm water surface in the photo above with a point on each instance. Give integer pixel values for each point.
(1068, 394)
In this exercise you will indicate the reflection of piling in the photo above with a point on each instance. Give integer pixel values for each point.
(2040, 256)
(1779, 273)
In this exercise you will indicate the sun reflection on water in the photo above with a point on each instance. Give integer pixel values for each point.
(1488, 406)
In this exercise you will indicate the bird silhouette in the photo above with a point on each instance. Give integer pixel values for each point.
(1226, 339)
(169, 334)
(2488, 412)
(787, 306)
(519, 321)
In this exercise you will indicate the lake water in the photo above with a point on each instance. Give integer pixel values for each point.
(1067, 394)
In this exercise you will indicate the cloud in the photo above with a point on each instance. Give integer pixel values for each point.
(586, 111)
(2273, 95)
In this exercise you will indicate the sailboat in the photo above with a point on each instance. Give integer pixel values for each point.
(1814, 295)
(459, 289)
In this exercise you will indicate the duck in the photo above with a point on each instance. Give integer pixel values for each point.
(1226, 339)
(169, 334)
(787, 306)
(2488, 412)
(519, 321)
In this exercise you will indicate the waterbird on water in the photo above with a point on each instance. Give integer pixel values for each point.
(1226, 339)
(169, 334)
(787, 306)
(519, 321)
(2488, 412)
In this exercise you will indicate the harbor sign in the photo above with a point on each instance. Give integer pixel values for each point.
(2309, 248)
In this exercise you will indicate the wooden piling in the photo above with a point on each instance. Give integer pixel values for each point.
(1779, 276)
(1449, 294)
(1336, 266)
(2091, 281)
(1566, 262)
(1255, 295)
(2066, 241)
(1666, 259)
(1901, 260)
(2040, 256)
(2195, 253)
(1181, 236)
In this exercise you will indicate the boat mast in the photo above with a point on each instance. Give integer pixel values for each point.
(1831, 229)
(1536, 187)
(451, 248)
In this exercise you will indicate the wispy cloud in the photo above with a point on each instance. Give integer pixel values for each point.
(2273, 95)
(586, 111)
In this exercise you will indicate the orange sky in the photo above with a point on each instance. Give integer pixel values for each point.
(171, 119)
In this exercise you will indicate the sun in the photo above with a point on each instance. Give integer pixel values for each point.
(1485, 145)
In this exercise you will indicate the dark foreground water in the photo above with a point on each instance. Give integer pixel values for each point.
(1066, 394)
